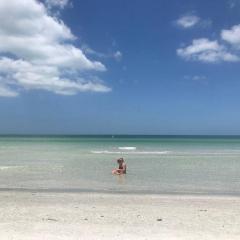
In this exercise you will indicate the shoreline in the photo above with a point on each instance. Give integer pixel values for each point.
(101, 216)
(121, 192)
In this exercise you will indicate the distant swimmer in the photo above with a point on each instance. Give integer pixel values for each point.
(122, 167)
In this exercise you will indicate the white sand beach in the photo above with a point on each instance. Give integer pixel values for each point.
(95, 216)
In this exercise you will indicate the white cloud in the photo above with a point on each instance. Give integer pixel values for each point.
(31, 76)
(232, 36)
(117, 55)
(37, 52)
(56, 3)
(89, 51)
(205, 50)
(199, 78)
(187, 21)
(6, 92)
(195, 77)
(233, 3)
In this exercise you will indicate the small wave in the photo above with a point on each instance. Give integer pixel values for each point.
(131, 153)
(207, 153)
(9, 167)
(127, 148)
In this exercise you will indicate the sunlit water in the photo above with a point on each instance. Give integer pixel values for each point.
(192, 165)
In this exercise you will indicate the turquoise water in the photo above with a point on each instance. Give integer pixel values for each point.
(191, 165)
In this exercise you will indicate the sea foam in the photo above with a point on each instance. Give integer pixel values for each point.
(127, 148)
(131, 152)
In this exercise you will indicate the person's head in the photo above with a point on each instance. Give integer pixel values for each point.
(120, 160)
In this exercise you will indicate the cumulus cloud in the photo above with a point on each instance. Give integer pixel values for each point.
(187, 21)
(205, 50)
(227, 48)
(33, 76)
(232, 35)
(37, 52)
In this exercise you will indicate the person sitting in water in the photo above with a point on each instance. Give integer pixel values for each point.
(122, 167)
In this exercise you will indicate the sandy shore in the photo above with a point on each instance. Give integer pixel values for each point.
(58, 216)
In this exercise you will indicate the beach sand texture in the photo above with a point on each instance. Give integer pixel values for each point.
(96, 216)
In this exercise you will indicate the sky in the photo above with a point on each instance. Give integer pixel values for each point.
(120, 67)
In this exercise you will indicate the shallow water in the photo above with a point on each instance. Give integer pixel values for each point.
(192, 165)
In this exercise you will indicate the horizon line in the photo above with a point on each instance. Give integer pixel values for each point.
(114, 135)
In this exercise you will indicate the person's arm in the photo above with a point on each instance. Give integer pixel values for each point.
(123, 170)
(117, 171)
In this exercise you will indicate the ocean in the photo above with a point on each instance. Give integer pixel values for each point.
(155, 164)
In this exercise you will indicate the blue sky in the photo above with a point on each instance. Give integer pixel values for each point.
(120, 67)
